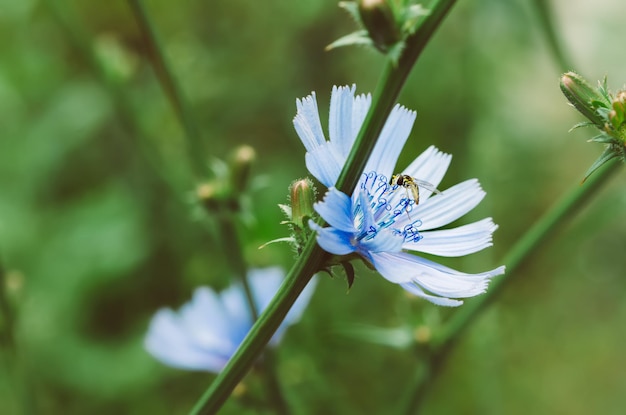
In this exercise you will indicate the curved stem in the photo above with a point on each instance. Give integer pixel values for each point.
(81, 40)
(254, 343)
(195, 145)
(386, 95)
(526, 246)
(547, 24)
(313, 257)
(276, 397)
(233, 252)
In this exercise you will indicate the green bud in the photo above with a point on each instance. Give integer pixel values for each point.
(378, 19)
(618, 114)
(423, 334)
(209, 195)
(118, 62)
(240, 166)
(583, 97)
(302, 194)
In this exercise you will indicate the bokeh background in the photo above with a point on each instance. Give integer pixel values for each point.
(98, 228)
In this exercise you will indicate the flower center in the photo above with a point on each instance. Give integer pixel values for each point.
(386, 207)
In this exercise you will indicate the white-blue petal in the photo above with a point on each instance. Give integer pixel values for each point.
(390, 268)
(391, 140)
(307, 123)
(264, 284)
(359, 111)
(340, 118)
(450, 205)
(430, 166)
(459, 241)
(385, 241)
(441, 281)
(336, 210)
(220, 337)
(325, 164)
(296, 311)
(206, 331)
(333, 240)
(448, 282)
(167, 341)
(415, 289)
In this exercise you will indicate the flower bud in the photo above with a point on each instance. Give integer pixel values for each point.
(618, 114)
(423, 334)
(302, 194)
(583, 97)
(209, 196)
(378, 19)
(240, 166)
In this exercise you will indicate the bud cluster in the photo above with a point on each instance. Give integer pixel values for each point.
(605, 111)
(223, 193)
(302, 195)
(384, 24)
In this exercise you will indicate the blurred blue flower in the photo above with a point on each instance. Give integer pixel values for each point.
(381, 221)
(206, 331)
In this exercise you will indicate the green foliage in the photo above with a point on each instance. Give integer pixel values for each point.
(97, 224)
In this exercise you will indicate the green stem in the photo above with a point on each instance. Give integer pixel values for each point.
(7, 316)
(546, 21)
(233, 252)
(15, 367)
(386, 95)
(313, 257)
(526, 246)
(276, 396)
(195, 145)
(254, 343)
(80, 39)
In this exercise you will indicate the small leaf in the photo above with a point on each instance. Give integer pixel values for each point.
(397, 338)
(273, 241)
(608, 154)
(349, 269)
(286, 209)
(356, 38)
(602, 138)
(582, 124)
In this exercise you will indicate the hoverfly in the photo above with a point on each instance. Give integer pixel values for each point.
(412, 184)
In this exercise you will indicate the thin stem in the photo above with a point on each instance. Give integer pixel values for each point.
(546, 21)
(260, 334)
(7, 316)
(233, 252)
(526, 246)
(15, 367)
(276, 396)
(392, 80)
(80, 39)
(195, 145)
(313, 257)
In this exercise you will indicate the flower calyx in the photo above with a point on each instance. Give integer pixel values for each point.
(224, 192)
(384, 24)
(604, 110)
(299, 211)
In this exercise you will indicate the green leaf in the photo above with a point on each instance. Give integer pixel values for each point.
(359, 37)
(609, 153)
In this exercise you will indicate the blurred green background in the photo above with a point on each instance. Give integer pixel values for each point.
(98, 228)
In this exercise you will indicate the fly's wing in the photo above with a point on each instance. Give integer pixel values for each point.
(426, 185)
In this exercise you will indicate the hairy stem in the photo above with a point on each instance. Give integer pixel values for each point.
(313, 257)
(522, 251)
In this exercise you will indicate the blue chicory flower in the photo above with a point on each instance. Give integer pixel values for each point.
(206, 331)
(380, 221)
